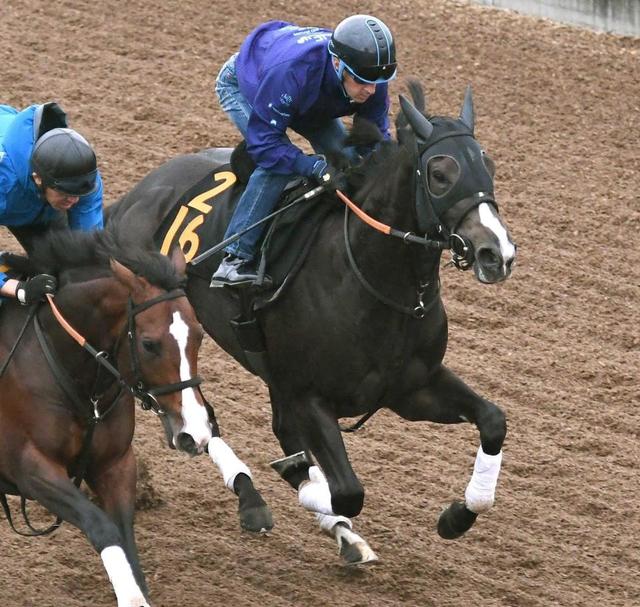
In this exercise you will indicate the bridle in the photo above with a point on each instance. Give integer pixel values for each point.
(454, 206)
(147, 396)
(428, 213)
(93, 416)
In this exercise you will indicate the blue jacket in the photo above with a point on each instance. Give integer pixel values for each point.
(21, 203)
(285, 72)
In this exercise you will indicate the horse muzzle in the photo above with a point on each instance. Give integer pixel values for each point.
(185, 442)
(490, 266)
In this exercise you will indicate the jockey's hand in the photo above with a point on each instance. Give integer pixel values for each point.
(327, 175)
(34, 289)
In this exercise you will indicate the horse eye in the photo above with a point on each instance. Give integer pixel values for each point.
(150, 346)
(439, 175)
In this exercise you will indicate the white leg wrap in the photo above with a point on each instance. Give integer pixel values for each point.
(480, 492)
(314, 494)
(127, 591)
(227, 461)
(327, 522)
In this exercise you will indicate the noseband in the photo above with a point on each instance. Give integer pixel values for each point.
(148, 396)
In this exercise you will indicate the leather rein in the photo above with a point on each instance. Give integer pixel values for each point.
(139, 390)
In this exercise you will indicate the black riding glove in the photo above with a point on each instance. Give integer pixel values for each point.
(34, 289)
(327, 175)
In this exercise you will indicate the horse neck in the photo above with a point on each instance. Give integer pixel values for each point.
(392, 203)
(96, 309)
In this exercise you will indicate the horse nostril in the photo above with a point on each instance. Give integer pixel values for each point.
(488, 258)
(185, 443)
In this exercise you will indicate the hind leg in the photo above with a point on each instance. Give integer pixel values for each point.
(254, 513)
(47, 482)
(448, 400)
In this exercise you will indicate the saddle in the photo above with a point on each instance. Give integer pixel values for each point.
(200, 217)
(198, 221)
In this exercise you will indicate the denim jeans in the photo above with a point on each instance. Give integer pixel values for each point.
(264, 187)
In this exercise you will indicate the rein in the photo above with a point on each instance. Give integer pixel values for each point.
(407, 237)
(145, 395)
(418, 311)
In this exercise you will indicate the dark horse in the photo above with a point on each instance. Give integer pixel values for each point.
(361, 324)
(119, 325)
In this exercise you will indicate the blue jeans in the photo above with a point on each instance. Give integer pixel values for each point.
(264, 187)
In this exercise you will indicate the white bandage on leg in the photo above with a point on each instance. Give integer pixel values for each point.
(327, 522)
(121, 576)
(314, 494)
(480, 492)
(227, 461)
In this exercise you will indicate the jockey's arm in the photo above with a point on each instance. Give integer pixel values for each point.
(8, 289)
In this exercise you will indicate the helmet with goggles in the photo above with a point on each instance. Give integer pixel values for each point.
(364, 47)
(66, 162)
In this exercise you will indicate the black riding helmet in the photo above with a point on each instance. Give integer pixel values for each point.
(365, 47)
(66, 162)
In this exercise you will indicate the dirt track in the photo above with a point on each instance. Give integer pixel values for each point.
(557, 346)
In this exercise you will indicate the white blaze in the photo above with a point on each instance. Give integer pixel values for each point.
(194, 415)
(490, 221)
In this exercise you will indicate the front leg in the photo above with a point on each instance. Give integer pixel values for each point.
(314, 492)
(47, 482)
(319, 427)
(446, 399)
(115, 487)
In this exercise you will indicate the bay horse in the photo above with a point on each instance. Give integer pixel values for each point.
(119, 326)
(361, 324)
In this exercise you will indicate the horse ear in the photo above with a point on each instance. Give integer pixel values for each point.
(419, 123)
(467, 114)
(126, 276)
(178, 260)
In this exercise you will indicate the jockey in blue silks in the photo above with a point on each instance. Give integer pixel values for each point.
(306, 79)
(48, 177)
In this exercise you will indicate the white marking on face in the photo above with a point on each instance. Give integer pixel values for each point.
(194, 415)
(490, 220)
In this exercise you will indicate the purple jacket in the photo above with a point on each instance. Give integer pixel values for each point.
(285, 72)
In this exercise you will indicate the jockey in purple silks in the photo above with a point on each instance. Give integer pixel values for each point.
(305, 79)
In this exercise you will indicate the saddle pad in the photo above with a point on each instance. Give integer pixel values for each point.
(200, 216)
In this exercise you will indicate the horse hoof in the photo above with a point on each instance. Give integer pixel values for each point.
(357, 554)
(257, 519)
(455, 521)
(352, 548)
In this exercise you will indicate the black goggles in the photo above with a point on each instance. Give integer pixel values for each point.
(75, 186)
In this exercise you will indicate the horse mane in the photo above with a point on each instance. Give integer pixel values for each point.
(388, 156)
(66, 249)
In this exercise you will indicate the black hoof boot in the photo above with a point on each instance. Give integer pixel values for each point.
(255, 515)
(256, 518)
(455, 521)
